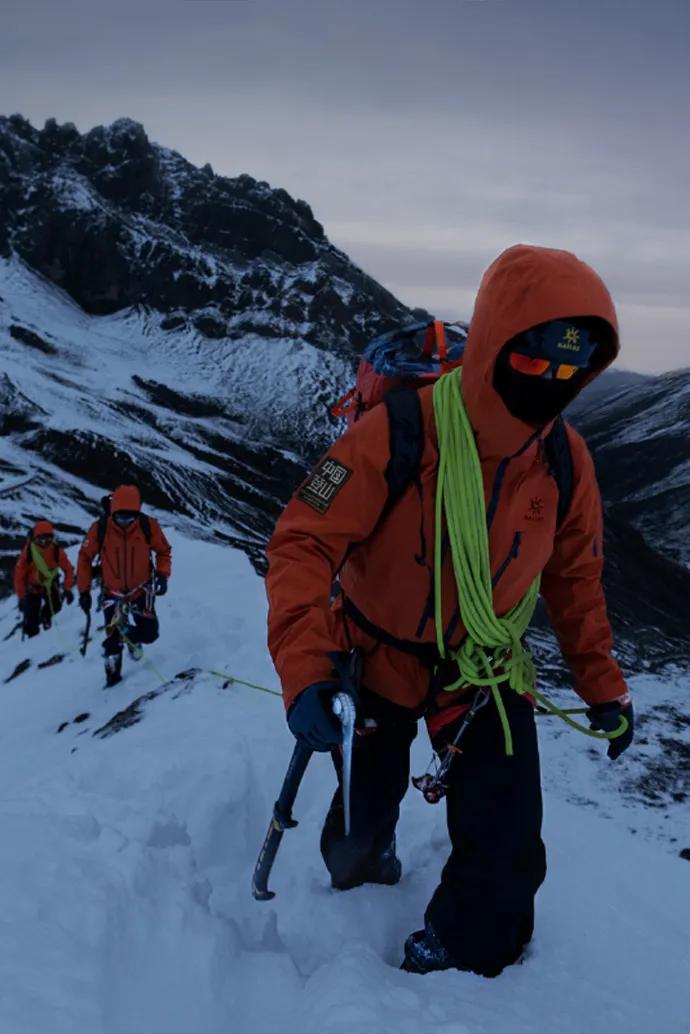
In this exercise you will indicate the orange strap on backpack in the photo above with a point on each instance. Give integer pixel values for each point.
(343, 406)
(435, 343)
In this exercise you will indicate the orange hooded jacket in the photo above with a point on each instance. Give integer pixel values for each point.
(27, 577)
(126, 555)
(385, 560)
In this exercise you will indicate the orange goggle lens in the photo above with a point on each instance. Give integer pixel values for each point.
(565, 372)
(538, 367)
(527, 364)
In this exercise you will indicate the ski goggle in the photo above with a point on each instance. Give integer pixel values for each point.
(555, 350)
(123, 518)
(44, 540)
(527, 364)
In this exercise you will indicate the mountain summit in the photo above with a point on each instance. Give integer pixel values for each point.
(116, 221)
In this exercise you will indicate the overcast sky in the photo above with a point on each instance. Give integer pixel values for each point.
(427, 135)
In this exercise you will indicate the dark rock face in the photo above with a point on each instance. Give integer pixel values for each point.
(33, 340)
(117, 221)
(645, 594)
(641, 447)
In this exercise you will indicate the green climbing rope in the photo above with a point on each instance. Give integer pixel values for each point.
(493, 653)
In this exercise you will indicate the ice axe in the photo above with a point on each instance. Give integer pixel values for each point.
(348, 668)
(85, 636)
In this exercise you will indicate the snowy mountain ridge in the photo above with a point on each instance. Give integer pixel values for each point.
(220, 441)
(117, 220)
(640, 442)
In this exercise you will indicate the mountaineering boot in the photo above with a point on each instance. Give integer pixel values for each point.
(113, 669)
(384, 868)
(424, 953)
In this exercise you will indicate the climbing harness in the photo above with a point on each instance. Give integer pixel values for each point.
(434, 785)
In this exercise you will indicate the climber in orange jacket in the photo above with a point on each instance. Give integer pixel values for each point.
(543, 327)
(37, 579)
(127, 542)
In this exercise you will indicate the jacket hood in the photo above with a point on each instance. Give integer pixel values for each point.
(42, 528)
(125, 497)
(524, 286)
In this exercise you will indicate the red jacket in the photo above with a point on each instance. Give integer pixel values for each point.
(126, 560)
(385, 563)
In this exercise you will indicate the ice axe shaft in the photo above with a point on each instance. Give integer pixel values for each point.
(281, 820)
(85, 637)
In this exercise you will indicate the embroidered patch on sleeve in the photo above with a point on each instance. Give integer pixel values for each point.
(323, 485)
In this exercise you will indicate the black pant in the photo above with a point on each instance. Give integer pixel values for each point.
(141, 628)
(37, 610)
(483, 909)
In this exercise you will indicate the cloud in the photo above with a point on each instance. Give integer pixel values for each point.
(424, 144)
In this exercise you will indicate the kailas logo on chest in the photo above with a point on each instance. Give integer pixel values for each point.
(536, 509)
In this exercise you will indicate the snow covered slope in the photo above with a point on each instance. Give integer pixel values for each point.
(126, 858)
(217, 432)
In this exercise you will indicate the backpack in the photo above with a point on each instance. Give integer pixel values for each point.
(393, 367)
(407, 357)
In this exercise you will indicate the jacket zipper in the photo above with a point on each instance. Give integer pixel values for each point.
(512, 555)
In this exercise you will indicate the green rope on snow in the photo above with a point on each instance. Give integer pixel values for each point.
(493, 654)
(240, 682)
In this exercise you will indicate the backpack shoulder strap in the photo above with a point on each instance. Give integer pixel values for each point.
(560, 463)
(406, 438)
(102, 526)
(145, 524)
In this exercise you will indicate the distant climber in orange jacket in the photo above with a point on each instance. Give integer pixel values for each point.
(37, 579)
(127, 542)
(544, 325)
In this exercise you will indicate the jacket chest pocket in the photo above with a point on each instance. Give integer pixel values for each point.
(532, 516)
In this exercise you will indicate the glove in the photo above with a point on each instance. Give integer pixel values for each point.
(161, 585)
(310, 718)
(69, 597)
(606, 718)
(85, 601)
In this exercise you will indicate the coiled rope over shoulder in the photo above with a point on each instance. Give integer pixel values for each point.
(493, 654)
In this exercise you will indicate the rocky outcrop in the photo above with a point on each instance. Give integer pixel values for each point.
(117, 220)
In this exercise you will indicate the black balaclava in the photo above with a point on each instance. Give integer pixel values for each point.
(537, 400)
